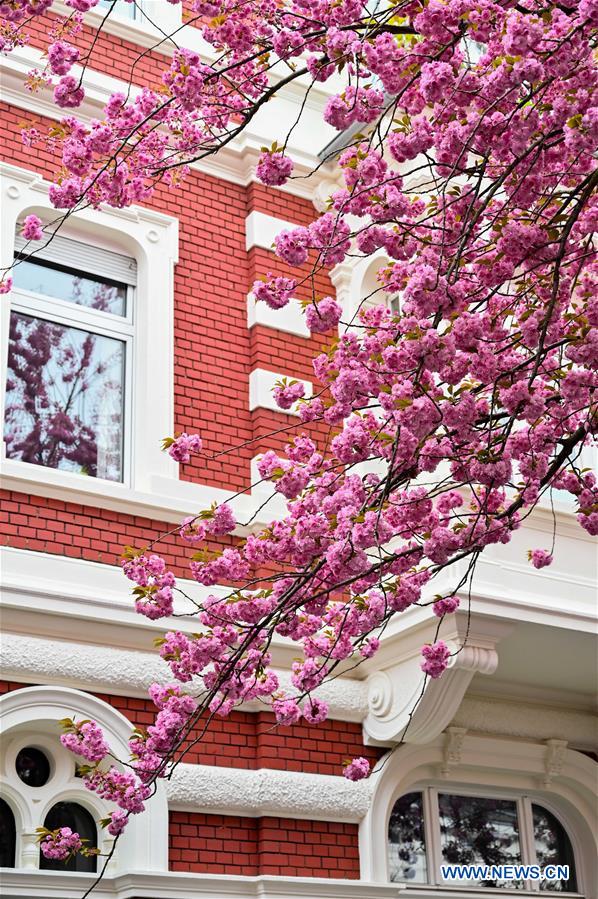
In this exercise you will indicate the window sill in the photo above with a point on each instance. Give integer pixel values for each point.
(170, 499)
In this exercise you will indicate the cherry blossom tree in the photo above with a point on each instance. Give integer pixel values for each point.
(467, 133)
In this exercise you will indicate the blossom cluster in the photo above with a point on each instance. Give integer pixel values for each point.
(60, 844)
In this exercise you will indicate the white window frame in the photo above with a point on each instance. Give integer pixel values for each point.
(104, 324)
(151, 239)
(523, 803)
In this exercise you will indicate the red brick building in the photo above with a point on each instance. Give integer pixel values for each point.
(502, 743)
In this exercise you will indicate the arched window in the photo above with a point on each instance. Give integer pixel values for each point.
(8, 836)
(430, 828)
(73, 815)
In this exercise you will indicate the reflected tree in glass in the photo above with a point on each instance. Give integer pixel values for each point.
(64, 398)
(62, 283)
(483, 831)
(406, 840)
(553, 847)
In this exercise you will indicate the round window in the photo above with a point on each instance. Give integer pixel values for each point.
(33, 766)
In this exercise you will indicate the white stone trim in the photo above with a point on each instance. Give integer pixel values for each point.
(151, 238)
(261, 385)
(266, 791)
(524, 720)
(31, 713)
(138, 884)
(289, 319)
(261, 229)
(130, 672)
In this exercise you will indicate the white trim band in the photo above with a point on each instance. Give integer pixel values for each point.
(261, 385)
(289, 319)
(266, 791)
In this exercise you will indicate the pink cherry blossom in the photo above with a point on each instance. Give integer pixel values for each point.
(32, 228)
(358, 769)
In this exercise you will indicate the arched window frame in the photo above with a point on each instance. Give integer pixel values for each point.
(29, 717)
(486, 766)
(523, 802)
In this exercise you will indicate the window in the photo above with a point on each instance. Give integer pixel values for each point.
(406, 840)
(8, 836)
(428, 828)
(121, 8)
(32, 766)
(70, 814)
(69, 354)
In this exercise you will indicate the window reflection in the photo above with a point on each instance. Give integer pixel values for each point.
(406, 840)
(64, 398)
(8, 836)
(476, 830)
(553, 847)
(70, 814)
(69, 285)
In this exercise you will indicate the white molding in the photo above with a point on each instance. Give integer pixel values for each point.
(525, 720)
(289, 319)
(261, 229)
(152, 239)
(36, 710)
(130, 672)
(267, 791)
(261, 385)
(174, 885)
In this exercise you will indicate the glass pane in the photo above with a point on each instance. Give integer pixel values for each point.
(553, 847)
(406, 840)
(8, 836)
(70, 285)
(479, 831)
(121, 8)
(33, 767)
(70, 814)
(64, 398)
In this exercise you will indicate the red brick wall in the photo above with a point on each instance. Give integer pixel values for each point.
(229, 844)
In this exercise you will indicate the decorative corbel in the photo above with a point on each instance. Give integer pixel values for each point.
(452, 749)
(554, 760)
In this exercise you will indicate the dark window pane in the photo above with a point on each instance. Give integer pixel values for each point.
(69, 285)
(33, 767)
(406, 840)
(553, 847)
(8, 836)
(479, 831)
(69, 814)
(64, 398)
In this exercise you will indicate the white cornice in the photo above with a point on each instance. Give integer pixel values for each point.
(266, 791)
(128, 672)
